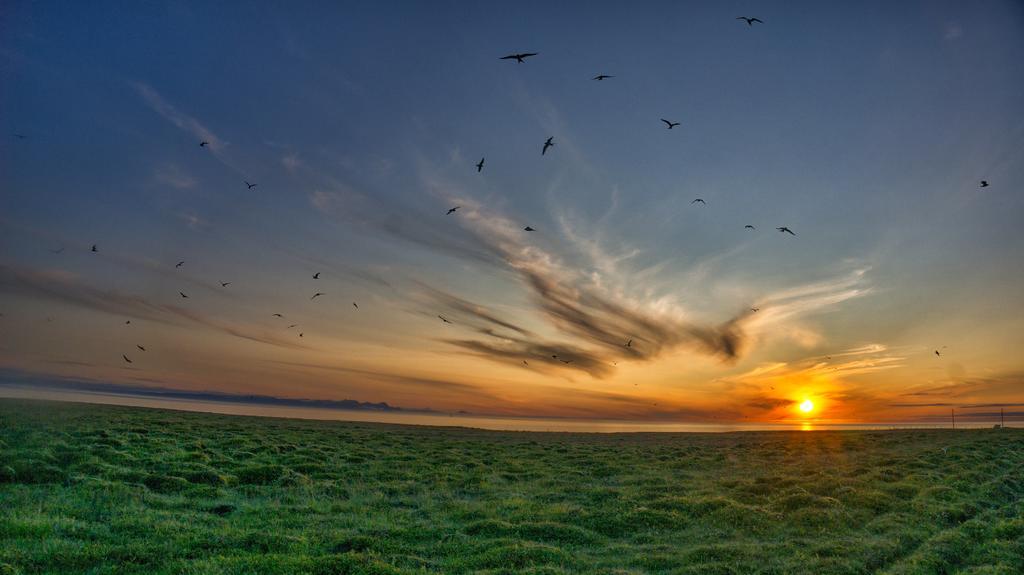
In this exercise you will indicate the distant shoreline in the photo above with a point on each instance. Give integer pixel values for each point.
(10, 392)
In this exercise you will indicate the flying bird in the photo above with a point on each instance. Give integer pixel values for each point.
(250, 186)
(354, 305)
(984, 183)
(203, 144)
(526, 363)
(755, 309)
(181, 263)
(480, 165)
(140, 347)
(670, 124)
(225, 284)
(629, 343)
(317, 294)
(292, 325)
(785, 230)
(94, 248)
(316, 276)
(126, 358)
(57, 251)
(699, 200)
(937, 354)
(127, 322)
(518, 57)
(277, 314)
(182, 294)
(529, 229)
(547, 144)
(300, 334)
(600, 77)
(749, 227)
(444, 319)
(750, 21)
(566, 361)
(452, 210)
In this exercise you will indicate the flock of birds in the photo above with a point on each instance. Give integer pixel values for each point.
(548, 143)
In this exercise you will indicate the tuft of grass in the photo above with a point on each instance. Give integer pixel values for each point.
(103, 489)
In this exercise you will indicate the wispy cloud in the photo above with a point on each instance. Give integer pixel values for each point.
(60, 286)
(180, 119)
(291, 162)
(173, 176)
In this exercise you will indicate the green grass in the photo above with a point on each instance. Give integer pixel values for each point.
(100, 489)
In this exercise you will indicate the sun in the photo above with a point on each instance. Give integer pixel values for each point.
(807, 406)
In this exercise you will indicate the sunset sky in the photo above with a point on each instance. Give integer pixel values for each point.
(865, 127)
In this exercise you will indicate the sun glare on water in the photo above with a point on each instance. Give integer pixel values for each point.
(807, 406)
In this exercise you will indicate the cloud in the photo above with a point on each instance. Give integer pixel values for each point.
(291, 162)
(967, 387)
(180, 119)
(193, 221)
(62, 287)
(593, 318)
(172, 175)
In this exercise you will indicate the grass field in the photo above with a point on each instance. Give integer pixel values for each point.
(98, 489)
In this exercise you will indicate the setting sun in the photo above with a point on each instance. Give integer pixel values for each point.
(807, 406)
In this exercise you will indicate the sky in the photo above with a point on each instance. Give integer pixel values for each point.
(865, 128)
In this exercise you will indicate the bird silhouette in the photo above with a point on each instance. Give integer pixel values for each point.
(182, 294)
(225, 284)
(355, 305)
(300, 334)
(316, 295)
(670, 124)
(749, 227)
(518, 57)
(57, 251)
(629, 343)
(250, 186)
(600, 77)
(785, 230)
(126, 358)
(316, 276)
(94, 248)
(203, 144)
(750, 21)
(526, 362)
(529, 229)
(547, 144)
(984, 183)
(444, 319)
(699, 200)
(480, 165)
(292, 325)
(127, 322)
(937, 354)
(181, 263)
(140, 347)
(565, 361)
(755, 309)
(452, 210)
(277, 315)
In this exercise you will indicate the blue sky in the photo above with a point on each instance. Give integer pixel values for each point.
(865, 128)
